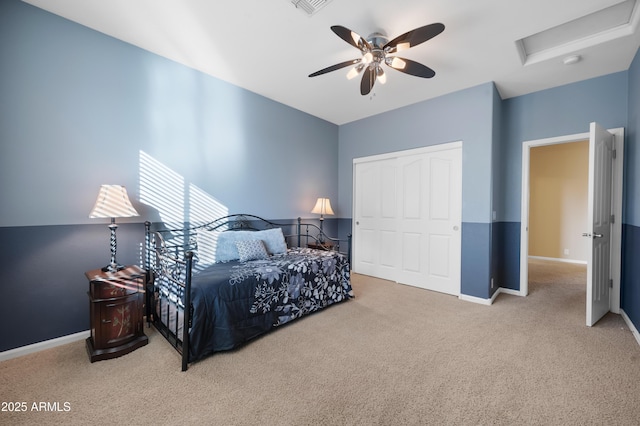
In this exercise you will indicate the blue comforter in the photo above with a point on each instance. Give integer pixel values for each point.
(237, 301)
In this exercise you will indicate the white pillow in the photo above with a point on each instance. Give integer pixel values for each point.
(207, 242)
(273, 240)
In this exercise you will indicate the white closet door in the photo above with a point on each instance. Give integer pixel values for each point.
(412, 220)
(408, 213)
(376, 219)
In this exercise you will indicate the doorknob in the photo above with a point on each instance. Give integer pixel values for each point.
(586, 234)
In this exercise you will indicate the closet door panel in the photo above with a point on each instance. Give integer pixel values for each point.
(407, 218)
(375, 230)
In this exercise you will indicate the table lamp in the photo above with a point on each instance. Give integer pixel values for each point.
(113, 202)
(322, 207)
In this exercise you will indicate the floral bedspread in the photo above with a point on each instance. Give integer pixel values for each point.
(296, 284)
(237, 301)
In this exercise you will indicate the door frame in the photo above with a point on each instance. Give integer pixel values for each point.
(616, 232)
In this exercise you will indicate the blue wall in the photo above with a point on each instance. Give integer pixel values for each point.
(613, 101)
(630, 291)
(80, 109)
(549, 113)
(560, 111)
(42, 279)
(632, 148)
(467, 116)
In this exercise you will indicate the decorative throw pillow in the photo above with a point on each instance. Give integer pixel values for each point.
(226, 249)
(251, 250)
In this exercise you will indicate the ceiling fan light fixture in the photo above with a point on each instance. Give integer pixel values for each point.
(402, 46)
(353, 72)
(374, 51)
(398, 63)
(382, 77)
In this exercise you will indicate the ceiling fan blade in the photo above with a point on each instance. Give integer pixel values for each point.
(367, 82)
(408, 66)
(351, 37)
(335, 67)
(414, 37)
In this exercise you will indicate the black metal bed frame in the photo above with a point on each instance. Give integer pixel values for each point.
(169, 256)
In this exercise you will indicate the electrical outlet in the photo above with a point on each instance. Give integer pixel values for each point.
(566, 251)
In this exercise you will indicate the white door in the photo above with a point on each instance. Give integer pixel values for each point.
(413, 204)
(407, 218)
(601, 146)
(375, 219)
(429, 220)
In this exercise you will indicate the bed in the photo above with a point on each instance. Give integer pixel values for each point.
(240, 276)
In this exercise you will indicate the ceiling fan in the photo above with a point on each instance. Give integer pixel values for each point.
(376, 50)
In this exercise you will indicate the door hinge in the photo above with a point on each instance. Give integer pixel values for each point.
(613, 218)
(610, 283)
(613, 154)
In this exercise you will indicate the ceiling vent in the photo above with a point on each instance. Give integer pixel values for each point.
(599, 27)
(310, 7)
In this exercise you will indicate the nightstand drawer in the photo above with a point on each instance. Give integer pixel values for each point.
(115, 284)
(109, 290)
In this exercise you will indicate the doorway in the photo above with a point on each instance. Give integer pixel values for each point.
(616, 191)
(558, 195)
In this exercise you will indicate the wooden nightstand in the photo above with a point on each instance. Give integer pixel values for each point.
(321, 246)
(116, 302)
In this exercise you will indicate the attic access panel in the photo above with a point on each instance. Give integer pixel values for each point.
(595, 28)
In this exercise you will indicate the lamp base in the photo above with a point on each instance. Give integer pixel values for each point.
(112, 267)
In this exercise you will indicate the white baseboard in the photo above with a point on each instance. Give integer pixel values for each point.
(631, 326)
(490, 301)
(40, 346)
(510, 291)
(557, 259)
(474, 299)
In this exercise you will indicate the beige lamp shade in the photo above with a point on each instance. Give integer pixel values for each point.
(323, 207)
(113, 202)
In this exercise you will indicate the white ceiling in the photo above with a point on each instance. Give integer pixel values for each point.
(269, 47)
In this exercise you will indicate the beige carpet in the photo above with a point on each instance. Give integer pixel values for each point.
(395, 355)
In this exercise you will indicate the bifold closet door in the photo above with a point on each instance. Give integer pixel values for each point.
(407, 215)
